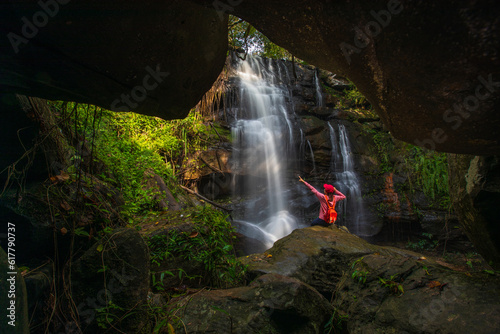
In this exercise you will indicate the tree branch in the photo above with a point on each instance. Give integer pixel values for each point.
(206, 199)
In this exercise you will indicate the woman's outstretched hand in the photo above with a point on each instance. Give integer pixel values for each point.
(301, 180)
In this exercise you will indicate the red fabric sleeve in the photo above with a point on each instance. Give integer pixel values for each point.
(322, 201)
(339, 196)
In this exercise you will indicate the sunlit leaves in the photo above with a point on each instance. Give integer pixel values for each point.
(244, 37)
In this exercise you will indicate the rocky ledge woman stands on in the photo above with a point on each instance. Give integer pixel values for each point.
(331, 196)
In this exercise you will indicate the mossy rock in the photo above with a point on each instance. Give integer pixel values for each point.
(270, 304)
(115, 269)
(384, 288)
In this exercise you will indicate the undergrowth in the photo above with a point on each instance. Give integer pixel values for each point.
(354, 98)
(210, 244)
(208, 260)
(129, 145)
(110, 156)
(426, 242)
(431, 171)
(426, 170)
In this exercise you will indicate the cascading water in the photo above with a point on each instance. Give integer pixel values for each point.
(342, 165)
(269, 201)
(311, 152)
(319, 94)
(262, 148)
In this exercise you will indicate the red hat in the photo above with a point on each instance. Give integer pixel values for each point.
(329, 188)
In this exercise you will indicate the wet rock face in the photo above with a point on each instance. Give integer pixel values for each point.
(383, 289)
(475, 194)
(271, 304)
(431, 70)
(153, 57)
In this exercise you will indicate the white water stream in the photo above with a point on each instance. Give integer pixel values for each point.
(264, 151)
(262, 140)
(319, 94)
(342, 165)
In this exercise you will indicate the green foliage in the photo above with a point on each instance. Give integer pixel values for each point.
(353, 97)
(272, 50)
(425, 268)
(492, 272)
(384, 145)
(210, 244)
(359, 274)
(431, 171)
(243, 36)
(357, 262)
(426, 170)
(158, 283)
(391, 284)
(336, 322)
(130, 145)
(163, 317)
(109, 314)
(351, 100)
(425, 243)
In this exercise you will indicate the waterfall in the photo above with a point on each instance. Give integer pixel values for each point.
(352, 209)
(312, 157)
(269, 202)
(319, 94)
(261, 128)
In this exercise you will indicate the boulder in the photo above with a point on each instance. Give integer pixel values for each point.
(475, 194)
(316, 255)
(384, 289)
(323, 112)
(397, 293)
(244, 245)
(270, 304)
(204, 163)
(317, 134)
(114, 271)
